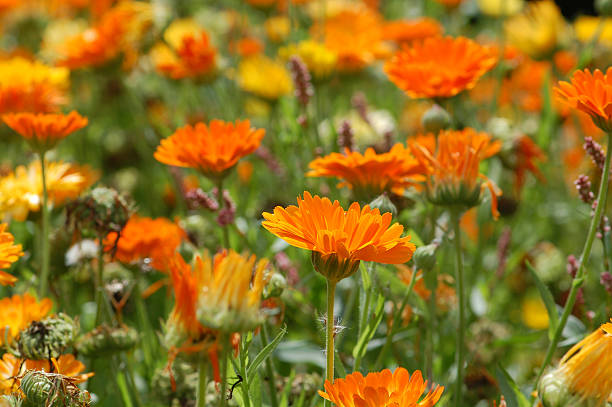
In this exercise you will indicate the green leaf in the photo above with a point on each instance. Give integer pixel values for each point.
(369, 331)
(514, 397)
(265, 352)
(549, 302)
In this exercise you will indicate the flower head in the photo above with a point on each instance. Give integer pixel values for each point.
(382, 389)
(500, 8)
(10, 368)
(527, 155)
(9, 253)
(439, 66)
(319, 59)
(264, 77)
(590, 93)
(18, 312)
(44, 131)
(406, 31)
(212, 149)
(370, 174)
(339, 239)
(451, 164)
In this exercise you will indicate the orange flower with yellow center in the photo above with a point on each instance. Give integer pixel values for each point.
(590, 93)
(382, 389)
(406, 31)
(9, 254)
(439, 66)
(66, 365)
(44, 131)
(212, 149)
(370, 174)
(339, 239)
(17, 313)
(451, 164)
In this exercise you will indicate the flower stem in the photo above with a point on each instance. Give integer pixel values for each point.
(329, 336)
(44, 274)
(584, 258)
(269, 367)
(461, 295)
(225, 339)
(202, 382)
(225, 228)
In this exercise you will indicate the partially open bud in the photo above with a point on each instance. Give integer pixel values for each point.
(384, 204)
(107, 340)
(435, 119)
(425, 257)
(47, 339)
(332, 268)
(275, 286)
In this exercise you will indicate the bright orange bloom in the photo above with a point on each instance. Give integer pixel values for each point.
(66, 365)
(9, 254)
(44, 131)
(446, 295)
(590, 93)
(382, 389)
(146, 238)
(369, 174)
(403, 31)
(440, 66)
(565, 61)
(247, 47)
(17, 313)
(524, 86)
(212, 149)
(449, 3)
(340, 238)
(451, 161)
(10, 368)
(527, 155)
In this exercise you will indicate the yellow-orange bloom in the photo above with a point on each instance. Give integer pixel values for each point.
(406, 31)
(212, 149)
(9, 254)
(339, 239)
(17, 313)
(44, 131)
(66, 365)
(146, 238)
(439, 66)
(590, 93)
(370, 174)
(382, 389)
(10, 368)
(264, 77)
(451, 165)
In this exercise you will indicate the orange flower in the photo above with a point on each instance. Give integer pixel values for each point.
(445, 293)
(9, 253)
(439, 66)
(246, 47)
(10, 368)
(451, 161)
(369, 174)
(146, 238)
(565, 61)
(212, 149)
(527, 154)
(381, 389)
(339, 239)
(449, 3)
(66, 365)
(524, 87)
(44, 131)
(590, 93)
(17, 313)
(403, 31)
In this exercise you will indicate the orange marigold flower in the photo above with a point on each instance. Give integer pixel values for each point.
(590, 93)
(10, 368)
(440, 66)
(339, 239)
(9, 254)
(17, 313)
(451, 166)
(146, 238)
(247, 47)
(382, 389)
(44, 131)
(212, 149)
(66, 365)
(527, 155)
(403, 31)
(524, 86)
(369, 174)
(565, 61)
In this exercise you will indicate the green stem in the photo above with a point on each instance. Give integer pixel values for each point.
(202, 382)
(225, 228)
(329, 332)
(132, 383)
(99, 283)
(431, 326)
(224, 355)
(44, 275)
(584, 258)
(269, 367)
(460, 351)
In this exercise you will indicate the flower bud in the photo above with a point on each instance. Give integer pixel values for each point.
(100, 212)
(107, 340)
(47, 339)
(435, 119)
(275, 286)
(553, 391)
(332, 268)
(384, 204)
(52, 390)
(425, 257)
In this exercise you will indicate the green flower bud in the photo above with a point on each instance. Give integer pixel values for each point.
(436, 119)
(425, 257)
(52, 390)
(333, 269)
(48, 338)
(275, 286)
(107, 340)
(604, 7)
(553, 391)
(384, 204)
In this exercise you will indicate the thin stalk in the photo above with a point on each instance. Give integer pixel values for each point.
(460, 351)
(100, 283)
(132, 383)
(225, 228)
(44, 274)
(584, 258)
(431, 326)
(329, 333)
(269, 367)
(224, 355)
(202, 382)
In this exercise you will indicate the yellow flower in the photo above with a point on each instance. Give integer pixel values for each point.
(320, 60)
(497, 8)
(277, 28)
(534, 313)
(586, 28)
(17, 313)
(264, 77)
(538, 29)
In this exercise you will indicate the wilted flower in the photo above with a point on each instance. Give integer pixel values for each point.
(18, 312)
(319, 59)
(9, 253)
(264, 77)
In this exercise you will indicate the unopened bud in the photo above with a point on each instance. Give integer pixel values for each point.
(275, 286)
(553, 391)
(47, 339)
(425, 257)
(384, 204)
(107, 340)
(435, 119)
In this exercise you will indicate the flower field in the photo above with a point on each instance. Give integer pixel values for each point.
(305, 203)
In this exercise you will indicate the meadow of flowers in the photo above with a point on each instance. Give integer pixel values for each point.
(351, 203)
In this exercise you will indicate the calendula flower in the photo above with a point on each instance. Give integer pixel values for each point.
(146, 238)
(451, 163)
(189, 53)
(66, 365)
(246, 47)
(524, 85)
(382, 389)
(44, 131)
(277, 28)
(439, 66)
(500, 8)
(533, 313)
(446, 297)
(406, 31)
(21, 190)
(528, 154)
(320, 60)
(18, 312)
(369, 174)
(9, 254)
(590, 93)
(264, 77)
(10, 369)
(30, 86)
(537, 30)
(339, 239)
(212, 149)
(587, 28)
